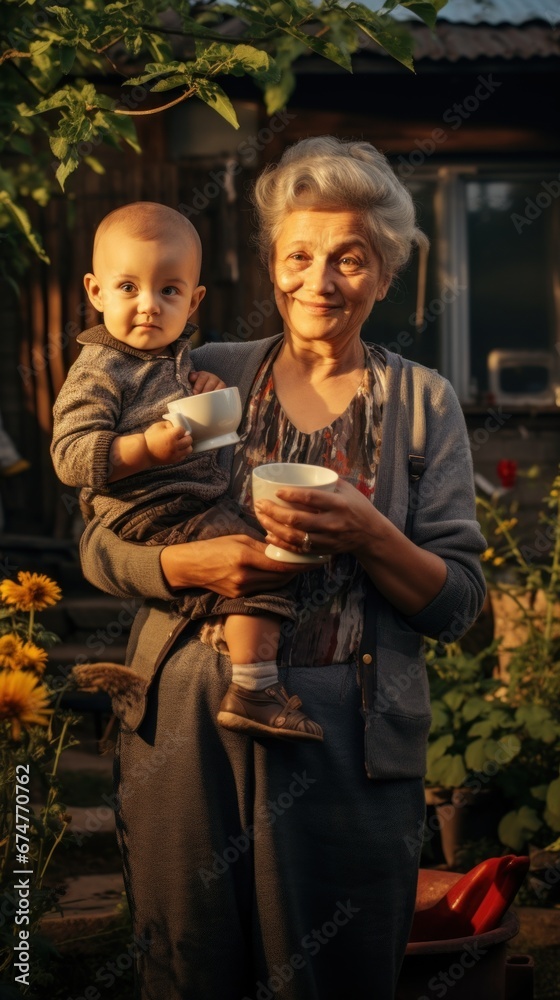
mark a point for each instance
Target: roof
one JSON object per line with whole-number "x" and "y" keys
{"x": 486, "y": 11}
{"x": 483, "y": 29}
{"x": 450, "y": 42}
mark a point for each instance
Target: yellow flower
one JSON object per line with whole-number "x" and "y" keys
{"x": 34, "y": 657}
{"x": 506, "y": 526}
{"x": 34, "y": 592}
{"x": 23, "y": 701}
{"x": 487, "y": 554}
{"x": 499, "y": 560}
{"x": 11, "y": 648}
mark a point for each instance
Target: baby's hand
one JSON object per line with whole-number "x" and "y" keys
{"x": 167, "y": 444}
{"x": 205, "y": 382}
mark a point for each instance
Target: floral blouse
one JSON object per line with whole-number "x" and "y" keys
{"x": 330, "y": 597}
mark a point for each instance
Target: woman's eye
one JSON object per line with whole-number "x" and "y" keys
{"x": 169, "y": 290}
{"x": 349, "y": 262}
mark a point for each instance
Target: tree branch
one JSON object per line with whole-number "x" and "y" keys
{"x": 14, "y": 54}
{"x": 156, "y": 111}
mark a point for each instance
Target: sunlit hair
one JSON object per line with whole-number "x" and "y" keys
{"x": 147, "y": 220}
{"x": 328, "y": 173}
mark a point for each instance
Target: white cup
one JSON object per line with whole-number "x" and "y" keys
{"x": 211, "y": 418}
{"x": 269, "y": 478}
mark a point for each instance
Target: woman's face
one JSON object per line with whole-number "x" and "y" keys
{"x": 326, "y": 275}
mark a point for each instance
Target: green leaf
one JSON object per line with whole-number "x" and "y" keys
{"x": 67, "y": 167}
{"x": 67, "y": 55}
{"x": 21, "y": 145}
{"x": 213, "y": 95}
{"x": 125, "y": 129}
{"x": 62, "y": 99}
{"x": 474, "y": 707}
{"x": 440, "y": 716}
{"x": 483, "y": 728}
{"x": 37, "y": 48}
{"x": 171, "y": 83}
{"x": 253, "y": 60}
{"x": 438, "y": 747}
{"x": 322, "y": 48}
{"x": 553, "y": 796}
{"x": 552, "y": 819}
{"x": 516, "y": 827}
{"x": 159, "y": 49}
{"x": 454, "y": 699}
{"x": 448, "y": 771}
{"x": 539, "y": 792}
{"x": 94, "y": 164}
{"x": 59, "y": 146}
{"x": 476, "y": 755}
{"x": 427, "y": 11}
{"x": 23, "y": 222}
{"x": 384, "y": 30}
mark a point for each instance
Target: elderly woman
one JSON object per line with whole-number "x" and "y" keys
{"x": 254, "y": 867}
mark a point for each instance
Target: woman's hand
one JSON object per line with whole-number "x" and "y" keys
{"x": 343, "y": 521}
{"x": 231, "y": 565}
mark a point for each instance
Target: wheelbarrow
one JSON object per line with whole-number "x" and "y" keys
{"x": 458, "y": 942}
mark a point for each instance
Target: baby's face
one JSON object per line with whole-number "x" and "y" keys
{"x": 146, "y": 289}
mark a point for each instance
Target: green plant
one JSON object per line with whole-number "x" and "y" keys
{"x": 527, "y": 571}
{"x": 504, "y": 732}
{"x": 472, "y": 725}
{"x": 55, "y": 60}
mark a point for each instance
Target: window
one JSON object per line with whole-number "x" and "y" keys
{"x": 493, "y": 276}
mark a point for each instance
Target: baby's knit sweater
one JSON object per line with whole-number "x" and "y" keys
{"x": 114, "y": 389}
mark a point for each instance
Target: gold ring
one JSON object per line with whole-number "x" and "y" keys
{"x": 306, "y": 544}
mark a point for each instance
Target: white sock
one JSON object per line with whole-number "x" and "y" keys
{"x": 255, "y": 676}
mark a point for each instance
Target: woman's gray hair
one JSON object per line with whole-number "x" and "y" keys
{"x": 325, "y": 172}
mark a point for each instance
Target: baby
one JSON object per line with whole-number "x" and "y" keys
{"x": 134, "y": 468}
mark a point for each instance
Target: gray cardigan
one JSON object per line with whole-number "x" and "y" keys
{"x": 397, "y": 722}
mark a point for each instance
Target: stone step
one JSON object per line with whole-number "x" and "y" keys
{"x": 67, "y": 654}
{"x": 97, "y": 619}
{"x": 89, "y": 906}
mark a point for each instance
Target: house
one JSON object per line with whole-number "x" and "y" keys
{"x": 474, "y": 134}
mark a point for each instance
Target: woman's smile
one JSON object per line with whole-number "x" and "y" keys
{"x": 327, "y": 276}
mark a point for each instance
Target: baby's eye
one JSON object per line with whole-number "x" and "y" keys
{"x": 170, "y": 290}
{"x": 127, "y": 286}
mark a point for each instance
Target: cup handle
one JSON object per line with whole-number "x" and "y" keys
{"x": 178, "y": 420}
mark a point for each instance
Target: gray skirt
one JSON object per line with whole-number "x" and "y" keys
{"x": 259, "y": 869}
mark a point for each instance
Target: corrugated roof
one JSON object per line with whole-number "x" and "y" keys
{"x": 459, "y": 41}
{"x": 487, "y": 11}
